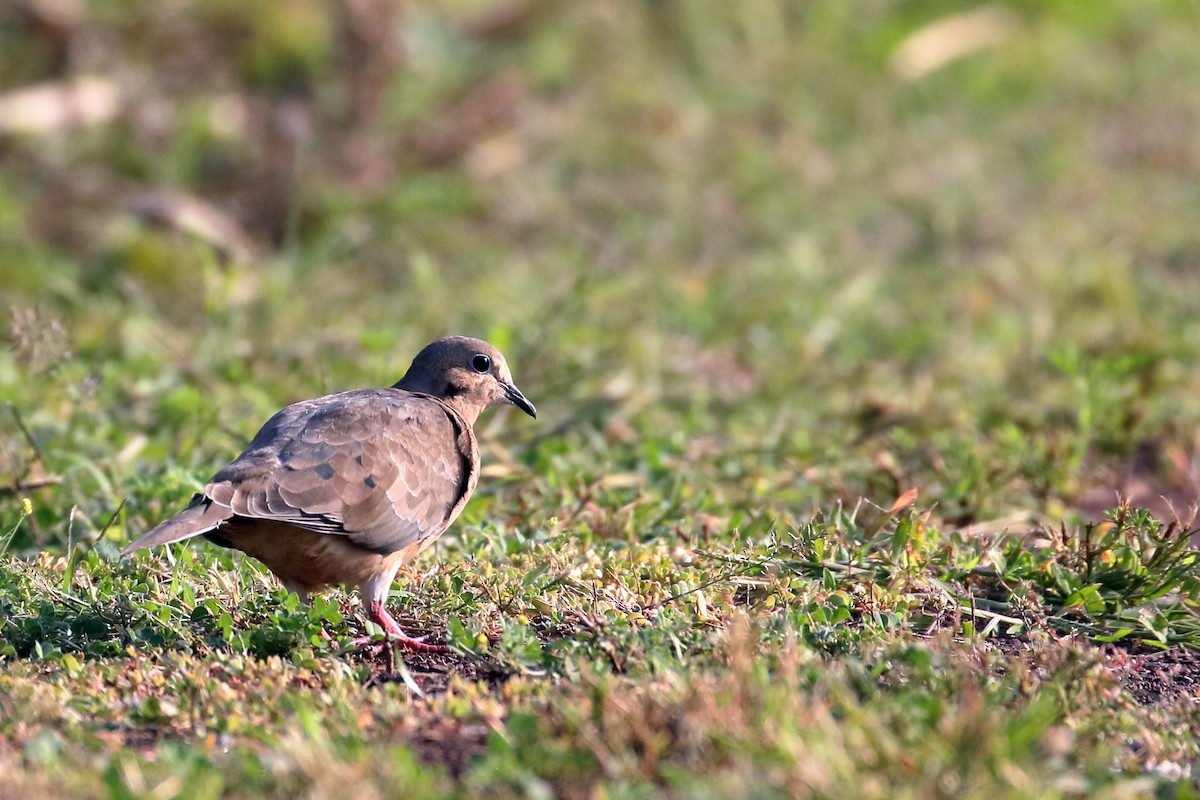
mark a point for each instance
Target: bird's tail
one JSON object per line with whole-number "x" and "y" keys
{"x": 201, "y": 516}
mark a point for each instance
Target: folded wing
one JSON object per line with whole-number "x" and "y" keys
{"x": 384, "y": 467}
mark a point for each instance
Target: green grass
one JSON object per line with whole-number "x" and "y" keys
{"x": 839, "y": 375}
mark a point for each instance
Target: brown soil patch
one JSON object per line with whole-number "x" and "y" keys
{"x": 1163, "y": 478}
{"x": 432, "y": 672}
{"x": 1159, "y": 677}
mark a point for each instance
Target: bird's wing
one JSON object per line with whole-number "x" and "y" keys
{"x": 385, "y": 467}
{"x": 201, "y": 516}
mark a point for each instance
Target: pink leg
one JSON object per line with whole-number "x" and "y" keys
{"x": 380, "y": 616}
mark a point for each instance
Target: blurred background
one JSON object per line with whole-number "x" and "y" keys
{"x": 749, "y": 259}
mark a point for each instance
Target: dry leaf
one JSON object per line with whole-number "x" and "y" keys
{"x": 904, "y": 501}
{"x": 48, "y": 108}
{"x": 950, "y": 38}
{"x": 190, "y": 214}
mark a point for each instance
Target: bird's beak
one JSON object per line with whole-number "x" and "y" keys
{"x": 513, "y": 395}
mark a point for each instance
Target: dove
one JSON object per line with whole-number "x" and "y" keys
{"x": 344, "y": 489}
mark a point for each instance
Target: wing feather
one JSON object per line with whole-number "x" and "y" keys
{"x": 201, "y": 516}
{"x": 384, "y": 467}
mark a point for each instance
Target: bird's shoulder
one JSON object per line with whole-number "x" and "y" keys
{"x": 396, "y": 420}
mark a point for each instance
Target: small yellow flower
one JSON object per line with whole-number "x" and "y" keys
{"x": 26, "y": 507}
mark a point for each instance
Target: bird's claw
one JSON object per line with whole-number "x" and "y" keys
{"x": 416, "y": 644}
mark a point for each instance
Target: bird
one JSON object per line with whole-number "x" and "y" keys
{"x": 346, "y": 488}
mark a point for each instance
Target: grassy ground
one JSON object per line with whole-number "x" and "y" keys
{"x": 843, "y": 349}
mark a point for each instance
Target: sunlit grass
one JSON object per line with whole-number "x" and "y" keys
{"x": 841, "y": 364}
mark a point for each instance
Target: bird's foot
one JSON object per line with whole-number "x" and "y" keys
{"x": 394, "y": 633}
{"x": 416, "y": 644}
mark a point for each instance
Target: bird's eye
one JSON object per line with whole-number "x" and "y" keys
{"x": 481, "y": 363}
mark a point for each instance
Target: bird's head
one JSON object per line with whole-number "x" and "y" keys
{"x": 469, "y": 374}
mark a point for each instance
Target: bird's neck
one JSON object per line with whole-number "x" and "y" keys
{"x": 460, "y": 401}
{"x": 466, "y": 409}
